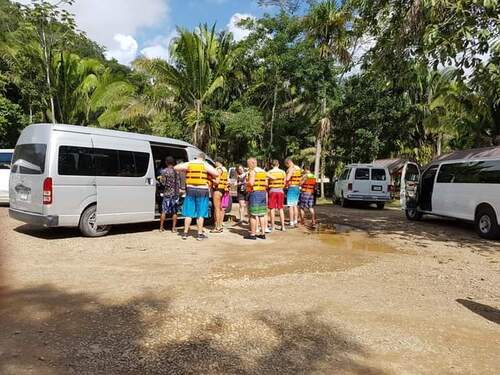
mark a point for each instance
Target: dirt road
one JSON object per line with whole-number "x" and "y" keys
{"x": 379, "y": 296}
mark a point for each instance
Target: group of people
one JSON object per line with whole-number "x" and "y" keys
{"x": 263, "y": 192}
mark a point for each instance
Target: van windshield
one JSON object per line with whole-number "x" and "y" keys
{"x": 5, "y": 160}
{"x": 29, "y": 158}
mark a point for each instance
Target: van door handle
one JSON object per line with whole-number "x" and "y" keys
{"x": 149, "y": 181}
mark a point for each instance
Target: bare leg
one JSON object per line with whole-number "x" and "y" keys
{"x": 242, "y": 204}
{"x": 187, "y": 224}
{"x": 302, "y": 217}
{"x": 199, "y": 222}
{"x": 253, "y": 225}
{"x": 313, "y": 215}
{"x": 174, "y": 222}
{"x": 162, "y": 221}
{"x": 272, "y": 218}
{"x": 263, "y": 225}
{"x": 217, "y": 208}
{"x": 282, "y": 218}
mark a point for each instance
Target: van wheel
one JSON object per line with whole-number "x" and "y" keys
{"x": 486, "y": 223}
{"x": 413, "y": 214}
{"x": 88, "y": 225}
{"x": 380, "y": 206}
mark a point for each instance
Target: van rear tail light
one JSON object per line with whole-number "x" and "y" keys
{"x": 390, "y": 188}
{"x": 47, "y": 191}
{"x": 349, "y": 186}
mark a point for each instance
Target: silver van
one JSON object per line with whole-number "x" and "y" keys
{"x": 91, "y": 178}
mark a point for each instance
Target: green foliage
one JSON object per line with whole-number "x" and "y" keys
{"x": 12, "y": 121}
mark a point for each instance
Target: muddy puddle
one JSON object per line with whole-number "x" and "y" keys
{"x": 325, "y": 249}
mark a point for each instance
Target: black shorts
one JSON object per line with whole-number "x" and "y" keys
{"x": 242, "y": 196}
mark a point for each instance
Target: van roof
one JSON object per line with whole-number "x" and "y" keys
{"x": 477, "y": 153}
{"x": 6, "y": 150}
{"x": 112, "y": 133}
{"x": 364, "y": 166}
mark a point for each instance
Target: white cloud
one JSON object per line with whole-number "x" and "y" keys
{"x": 159, "y": 47}
{"x": 110, "y": 22}
{"x": 126, "y": 50}
{"x": 239, "y": 32}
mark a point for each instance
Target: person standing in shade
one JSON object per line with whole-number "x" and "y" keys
{"x": 196, "y": 202}
{"x": 170, "y": 182}
{"x": 293, "y": 178}
{"x": 257, "y": 205}
{"x": 220, "y": 187}
{"x": 306, "y": 200}
{"x": 241, "y": 192}
{"x": 276, "y": 194}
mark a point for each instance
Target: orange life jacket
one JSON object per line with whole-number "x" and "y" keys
{"x": 309, "y": 185}
{"x": 260, "y": 183}
{"x": 196, "y": 174}
{"x": 296, "y": 177}
{"x": 278, "y": 180}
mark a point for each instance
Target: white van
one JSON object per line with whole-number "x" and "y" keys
{"x": 5, "y": 162}
{"x": 363, "y": 183}
{"x": 464, "y": 185}
{"x": 91, "y": 178}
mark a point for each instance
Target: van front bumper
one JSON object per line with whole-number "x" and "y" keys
{"x": 34, "y": 219}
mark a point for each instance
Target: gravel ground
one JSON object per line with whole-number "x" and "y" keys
{"x": 367, "y": 293}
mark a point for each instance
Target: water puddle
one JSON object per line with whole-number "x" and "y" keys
{"x": 345, "y": 238}
{"x": 326, "y": 248}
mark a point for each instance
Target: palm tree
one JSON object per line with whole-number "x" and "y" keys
{"x": 199, "y": 62}
{"x": 327, "y": 26}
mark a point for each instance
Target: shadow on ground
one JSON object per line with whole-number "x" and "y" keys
{"x": 47, "y": 330}
{"x": 393, "y": 222}
{"x": 487, "y": 312}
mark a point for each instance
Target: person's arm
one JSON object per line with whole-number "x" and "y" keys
{"x": 211, "y": 170}
{"x": 181, "y": 167}
{"x": 251, "y": 178}
{"x": 289, "y": 174}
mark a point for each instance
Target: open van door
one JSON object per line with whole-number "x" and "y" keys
{"x": 125, "y": 180}
{"x": 410, "y": 178}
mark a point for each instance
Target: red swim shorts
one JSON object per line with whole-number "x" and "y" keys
{"x": 276, "y": 199}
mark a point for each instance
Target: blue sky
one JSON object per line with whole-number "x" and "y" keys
{"x": 129, "y": 28}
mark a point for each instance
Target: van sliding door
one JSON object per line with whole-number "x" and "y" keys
{"x": 125, "y": 180}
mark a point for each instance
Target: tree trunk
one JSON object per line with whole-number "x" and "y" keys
{"x": 439, "y": 144}
{"x": 47, "y": 73}
{"x": 273, "y": 116}
{"x": 31, "y": 113}
{"x": 323, "y": 157}
{"x": 319, "y": 135}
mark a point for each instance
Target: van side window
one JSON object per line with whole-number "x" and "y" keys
{"x": 475, "y": 172}
{"x": 362, "y": 174}
{"x": 378, "y": 175}
{"x": 75, "y": 161}
{"x": 87, "y": 161}
{"x": 345, "y": 174}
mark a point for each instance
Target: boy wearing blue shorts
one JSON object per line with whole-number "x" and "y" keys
{"x": 293, "y": 179}
{"x": 196, "y": 202}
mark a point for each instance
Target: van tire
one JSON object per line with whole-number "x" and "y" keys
{"x": 486, "y": 223}
{"x": 380, "y": 206}
{"x": 86, "y": 227}
{"x": 413, "y": 214}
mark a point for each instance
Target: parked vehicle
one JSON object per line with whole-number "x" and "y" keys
{"x": 363, "y": 183}
{"x": 5, "y": 162}
{"x": 91, "y": 178}
{"x": 456, "y": 187}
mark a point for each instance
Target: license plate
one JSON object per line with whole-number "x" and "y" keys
{"x": 24, "y": 196}
{"x": 376, "y": 188}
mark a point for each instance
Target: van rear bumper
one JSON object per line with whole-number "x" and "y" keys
{"x": 368, "y": 198}
{"x": 34, "y": 219}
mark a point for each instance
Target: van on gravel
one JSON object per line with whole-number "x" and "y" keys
{"x": 5, "y": 162}
{"x": 364, "y": 183}
{"x": 91, "y": 178}
{"x": 463, "y": 185}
